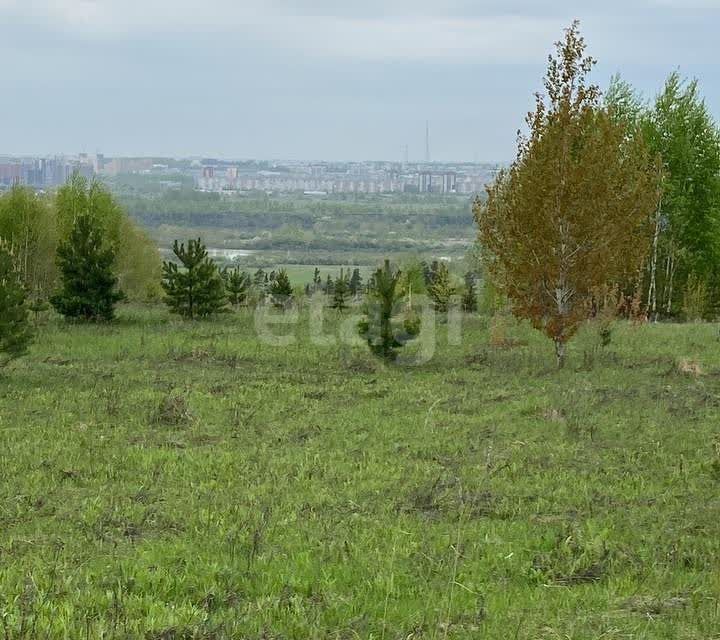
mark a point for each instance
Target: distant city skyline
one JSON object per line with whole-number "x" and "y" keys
{"x": 233, "y": 176}
{"x": 314, "y": 79}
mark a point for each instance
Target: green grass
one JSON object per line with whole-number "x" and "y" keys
{"x": 166, "y": 480}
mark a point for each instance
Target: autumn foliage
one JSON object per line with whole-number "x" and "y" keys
{"x": 571, "y": 215}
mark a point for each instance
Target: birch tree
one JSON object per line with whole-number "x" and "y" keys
{"x": 27, "y": 225}
{"x": 15, "y": 330}
{"x": 685, "y": 250}
{"x": 573, "y": 212}
{"x": 686, "y": 245}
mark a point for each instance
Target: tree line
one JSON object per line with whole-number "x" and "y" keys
{"x": 33, "y": 226}
{"x": 76, "y": 250}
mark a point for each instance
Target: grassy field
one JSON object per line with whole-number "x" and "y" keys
{"x": 167, "y": 480}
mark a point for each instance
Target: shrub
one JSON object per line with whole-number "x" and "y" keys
{"x": 695, "y": 300}
{"x": 499, "y": 325}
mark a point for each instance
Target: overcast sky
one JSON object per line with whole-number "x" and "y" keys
{"x": 317, "y": 79}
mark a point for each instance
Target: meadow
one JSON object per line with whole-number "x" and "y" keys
{"x": 164, "y": 479}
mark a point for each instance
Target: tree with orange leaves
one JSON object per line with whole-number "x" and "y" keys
{"x": 571, "y": 214}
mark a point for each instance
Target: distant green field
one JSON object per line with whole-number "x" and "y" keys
{"x": 166, "y": 480}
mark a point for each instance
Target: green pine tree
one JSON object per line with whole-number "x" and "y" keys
{"x": 430, "y": 273}
{"x": 441, "y": 289}
{"x": 470, "y": 296}
{"x": 237, "y": 286}
{"x": 260, "y": 281}
{"x": 15, "y": 330}
{"x": 281, "y": 290}
{"x": 384, "y": 297}
{"x": 355, "y": 282}
{"x": 87, "y": 269}
{"x": 341, "y": 292}
{"x": 195, "y": 289}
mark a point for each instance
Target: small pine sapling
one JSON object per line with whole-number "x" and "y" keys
{"x": 194, "y": 288}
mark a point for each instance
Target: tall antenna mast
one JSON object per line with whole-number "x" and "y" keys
{"x": 427, "y": 141}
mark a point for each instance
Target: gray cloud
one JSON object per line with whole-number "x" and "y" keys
{"x": 315, "y": 78}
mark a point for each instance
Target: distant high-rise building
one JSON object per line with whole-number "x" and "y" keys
{"x": 449, "y": 183}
